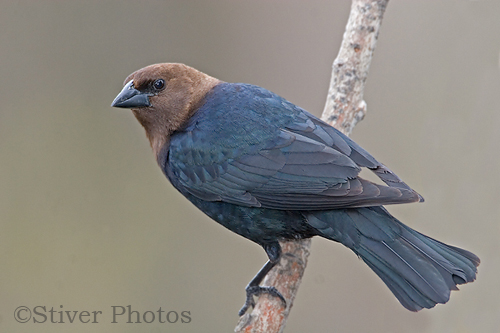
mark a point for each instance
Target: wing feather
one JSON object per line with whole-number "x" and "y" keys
{"x": 275, "y": 155}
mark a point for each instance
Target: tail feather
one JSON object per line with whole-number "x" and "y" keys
{"x": 407, "y": 269}
{"x": 409, "y": 297}
{"x": 420, "y": 271}
{"x": 464, "y": 259}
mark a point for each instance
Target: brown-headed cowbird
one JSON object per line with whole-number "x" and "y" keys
{"x": 269, "y": 170}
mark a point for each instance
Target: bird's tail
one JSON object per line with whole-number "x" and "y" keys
{"x": 419, "y": 270}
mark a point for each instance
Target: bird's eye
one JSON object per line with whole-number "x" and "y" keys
{"x": 159, "y": 84}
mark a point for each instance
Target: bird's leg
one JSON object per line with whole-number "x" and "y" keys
{"x": 253, "y": 288}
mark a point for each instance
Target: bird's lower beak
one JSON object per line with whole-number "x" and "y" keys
{"x": 131, "y": 98}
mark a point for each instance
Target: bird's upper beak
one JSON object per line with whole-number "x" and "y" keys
{"x": 131, "y": 98}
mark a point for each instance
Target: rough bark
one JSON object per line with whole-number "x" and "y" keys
{"x": 343, "y": 109}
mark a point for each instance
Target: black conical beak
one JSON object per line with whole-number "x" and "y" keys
{"x": 131, "y": 98}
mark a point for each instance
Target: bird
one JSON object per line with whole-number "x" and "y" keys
{"x": 270, "y": 171}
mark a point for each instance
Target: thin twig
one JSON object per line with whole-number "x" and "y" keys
{"x": 344, "y": 108}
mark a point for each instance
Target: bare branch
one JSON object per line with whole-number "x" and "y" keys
{"x": 269, "y": 315}
{"x": 344, "y": 108}
{"x": 344, "y": 104}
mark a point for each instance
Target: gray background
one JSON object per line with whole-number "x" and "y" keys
{"x": 88, "y": 221}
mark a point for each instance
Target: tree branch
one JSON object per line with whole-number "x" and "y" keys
{"x": 345, "y": 105}
{"x": 344, "y": 108}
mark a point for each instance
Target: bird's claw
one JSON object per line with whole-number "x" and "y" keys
{"x": 257, "y": 291}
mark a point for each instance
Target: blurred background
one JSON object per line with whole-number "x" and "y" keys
{"x": 88, "y": 221}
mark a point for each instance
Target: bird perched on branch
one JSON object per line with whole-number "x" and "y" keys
{"x": 269, "y": 171}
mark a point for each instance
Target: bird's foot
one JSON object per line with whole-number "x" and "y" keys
{"x": 257, "y": 291}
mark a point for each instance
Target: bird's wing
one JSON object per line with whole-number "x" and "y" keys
{"x": 299, "y": 164}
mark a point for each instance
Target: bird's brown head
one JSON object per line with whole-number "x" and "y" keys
{"x": 163, "y": 97}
